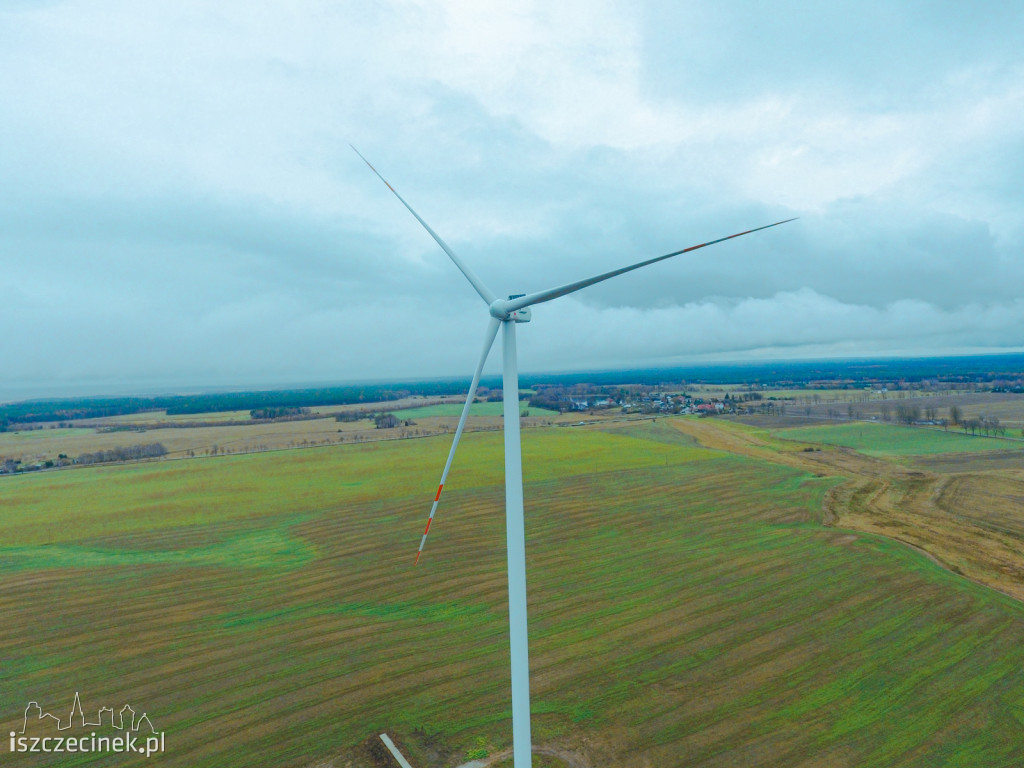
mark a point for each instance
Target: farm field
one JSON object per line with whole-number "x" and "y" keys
{"x": 180, "y": 441}
{"x": 891, "y": 440}
{"x": 493, "y": 408}
{"x": 162, "y": 417}
{"x": 233, "y": 432}
{"x": 687, "y": 607}
{"x": 962, "y": 508}
{"x": 1007, "y": 407}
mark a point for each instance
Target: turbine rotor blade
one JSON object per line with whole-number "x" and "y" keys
{"x": 492, "y": 331}
{"x": 476, "y": 282}
{"x": 553, "y": 293}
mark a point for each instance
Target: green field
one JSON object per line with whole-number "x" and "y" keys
{"x": 36, "y": 434}
{"x": 890, "y": 440}
{"x": 686, "y": 610}
{"x": 492, "y": 408}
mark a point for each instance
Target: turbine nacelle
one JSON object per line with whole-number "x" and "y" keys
{"x": 502, "y": 309}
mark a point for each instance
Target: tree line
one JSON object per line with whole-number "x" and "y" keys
{"x": 123, "y": 453}
{"x": 71, "y": 409}
{"x": 278, "y": 412}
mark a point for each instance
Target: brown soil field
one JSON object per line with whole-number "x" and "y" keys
{"x": 203, "y": 434}
{"x": 970, "y": 520}
{"x": 1005, "y": 406}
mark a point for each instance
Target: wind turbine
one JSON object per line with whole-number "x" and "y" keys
{"x": 506, "y": 313}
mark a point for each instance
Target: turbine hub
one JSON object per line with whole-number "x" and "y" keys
{"x": 500, "y": 310}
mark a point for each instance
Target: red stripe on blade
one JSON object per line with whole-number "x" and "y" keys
{"x": 439, "y": 491}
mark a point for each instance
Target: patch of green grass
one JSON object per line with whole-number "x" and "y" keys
{"x": 425, "y": 612}
{"x": 891, "y": 440}
{"x": 268, "y": 548}
{"x": 46, "y": 508}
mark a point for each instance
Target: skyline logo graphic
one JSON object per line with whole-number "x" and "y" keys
{"x": 137, "y": 731}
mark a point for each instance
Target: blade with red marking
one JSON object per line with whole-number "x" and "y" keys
{"x": 492, "y": 331}
{"x": 470, "y": 275}
{"x": 553, "y": 293}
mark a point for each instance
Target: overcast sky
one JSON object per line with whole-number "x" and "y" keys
{"x": 180, "y": 205}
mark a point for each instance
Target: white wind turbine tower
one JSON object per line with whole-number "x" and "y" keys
{"x": 505, "y": 313}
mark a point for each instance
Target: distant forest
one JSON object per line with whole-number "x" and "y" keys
{"x": 1003, "y": 372}
{"x": 266, "y": 402}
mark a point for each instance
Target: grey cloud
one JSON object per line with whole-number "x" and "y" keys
{"x": 181, "y": 203}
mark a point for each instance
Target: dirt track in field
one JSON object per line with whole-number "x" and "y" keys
{"x": 971, "y": 523}
{"x": 570, "y": 759}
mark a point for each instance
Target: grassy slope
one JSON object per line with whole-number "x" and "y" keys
{"x": 684, "y": 611}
